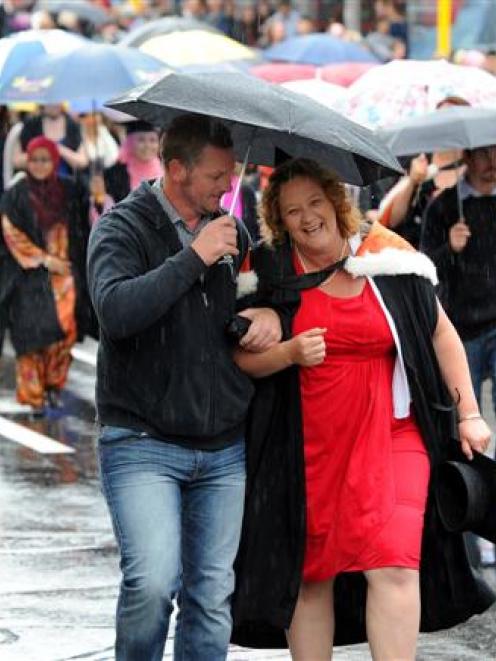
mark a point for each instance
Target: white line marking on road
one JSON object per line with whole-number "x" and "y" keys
{"x": 32, "y": 439}
{"x": 83, "y": 356}
{"x": 12, "y": 407}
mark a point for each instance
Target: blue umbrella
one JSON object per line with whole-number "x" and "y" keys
{"x": 318, "y": 49}
{"x": 93, "y": 73}
{"x": 24, "y": 47}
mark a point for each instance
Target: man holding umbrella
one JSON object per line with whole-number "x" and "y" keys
{"x": 170, "y": 399}
{"x": 460, "y": 236}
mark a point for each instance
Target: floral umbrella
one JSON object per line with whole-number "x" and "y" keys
{"x": 406, "y": 88}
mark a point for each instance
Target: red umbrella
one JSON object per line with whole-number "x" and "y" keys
{"x": 283, "y": 72}
{"x": 344, "y": 74}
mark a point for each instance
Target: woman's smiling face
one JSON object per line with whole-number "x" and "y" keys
{"x": 308, "y": 215}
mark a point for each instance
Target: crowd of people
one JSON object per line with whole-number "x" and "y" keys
{"x": 257, "y": 23}
{"x": 272, "y": 409}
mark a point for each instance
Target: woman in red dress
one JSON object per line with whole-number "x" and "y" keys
{"x": 366, "y": 465}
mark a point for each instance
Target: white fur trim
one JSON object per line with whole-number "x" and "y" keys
{"x": 247, "y": 283}
{"x": 392, "y": 261}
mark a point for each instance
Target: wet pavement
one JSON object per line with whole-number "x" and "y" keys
{"x": 58, "y": 561}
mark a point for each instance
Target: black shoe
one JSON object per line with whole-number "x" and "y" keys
{"x": 37, "y": 412}
{"x": 54, "y": 399}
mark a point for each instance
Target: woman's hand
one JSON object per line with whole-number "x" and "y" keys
{"x": 57, "y": 266}
{"x": 308, "y": 348}
{"x": 474, "y": 435}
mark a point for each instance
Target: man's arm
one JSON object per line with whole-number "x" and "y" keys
{"x": 434, "y": 240}
{"x": 127, "y": 299}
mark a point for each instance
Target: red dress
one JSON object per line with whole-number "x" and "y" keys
{"x": 366, "y": 472}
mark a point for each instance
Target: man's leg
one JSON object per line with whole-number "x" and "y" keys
{"x": 212, "y": 514}
{"x": 141, "y": 482}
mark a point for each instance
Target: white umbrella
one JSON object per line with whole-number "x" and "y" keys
{"x": 327, "y": 94}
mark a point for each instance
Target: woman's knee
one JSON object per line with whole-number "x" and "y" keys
{"x": 393, "y": 578}
{"x": 316, "y": 590}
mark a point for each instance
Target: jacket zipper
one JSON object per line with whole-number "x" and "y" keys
{"x": 210, "y": 416}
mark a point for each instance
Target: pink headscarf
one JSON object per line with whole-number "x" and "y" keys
{"x": 138, "y": 170}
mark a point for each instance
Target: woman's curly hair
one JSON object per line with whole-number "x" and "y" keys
{"x": 272, "y": 227}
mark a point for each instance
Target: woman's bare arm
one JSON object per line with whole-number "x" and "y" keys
{"x": 305, "y": 349}
{"x": 474, "y": 432}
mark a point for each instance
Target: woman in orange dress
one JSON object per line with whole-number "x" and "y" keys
{"x": 45, "y": 227}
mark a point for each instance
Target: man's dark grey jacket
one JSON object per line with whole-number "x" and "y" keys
{"x": 164, "y": 361}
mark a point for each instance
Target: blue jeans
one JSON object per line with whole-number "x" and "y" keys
{"x": 481, "y": 355}
{"x": 176, "y": 514}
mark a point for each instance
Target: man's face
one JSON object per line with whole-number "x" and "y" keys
{"x": 208, "y": 179}
{"x": 53, "y": 111}
{"x": 481, "y": 164}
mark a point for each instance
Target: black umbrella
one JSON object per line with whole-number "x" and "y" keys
{"x": 267, "y": 119}
{"x": 459, "y": 127}
{"x": 81, "y": 8}
{"x": 164, "y": 26}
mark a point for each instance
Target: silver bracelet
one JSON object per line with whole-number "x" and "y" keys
{"x": 470, "y": 416}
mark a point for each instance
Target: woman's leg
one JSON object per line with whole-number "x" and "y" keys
{"x": 311, "y": 633}
{"x": 30, "y": 377}
{"x": 393, "y": 613}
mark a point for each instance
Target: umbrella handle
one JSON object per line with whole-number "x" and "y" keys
{"x": 237, "y": 192}
{"x": 459, "y": 201}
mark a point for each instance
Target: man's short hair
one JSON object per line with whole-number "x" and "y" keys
{"x": 188, "y": 135}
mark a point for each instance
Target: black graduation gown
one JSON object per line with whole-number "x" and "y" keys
{"x": 270, "y": 559}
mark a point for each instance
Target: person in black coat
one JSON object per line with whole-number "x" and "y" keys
{"x": 309, "y": 220}
{"x": 45, "y": 228}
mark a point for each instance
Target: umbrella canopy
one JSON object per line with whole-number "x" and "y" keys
{"x": 327, "y": 94}
{"x": 318, "y": 49}
{"x": 448, "y": 128}
{"x": 180, "y": 49}
{"x": 166, "y": 25}
{"x": 95, "y": 73}
{"x": 266, "y": 118}
{"x": 407, "y": 88}
{"x": 283, "y": 72}
{"x": 17, "y": 50}
{"x": 345, "y": 73}
{"x": 83, "y": 10}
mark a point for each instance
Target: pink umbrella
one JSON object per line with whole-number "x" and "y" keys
{"x": 282, "y": 72}
{"x": 344, "y": 73}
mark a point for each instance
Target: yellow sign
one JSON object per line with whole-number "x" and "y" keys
{"x": 444, "y": 15}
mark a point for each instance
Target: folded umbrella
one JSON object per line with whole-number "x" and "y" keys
{"x": 457, "y": 127}
{"x": 267, "y": 119}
